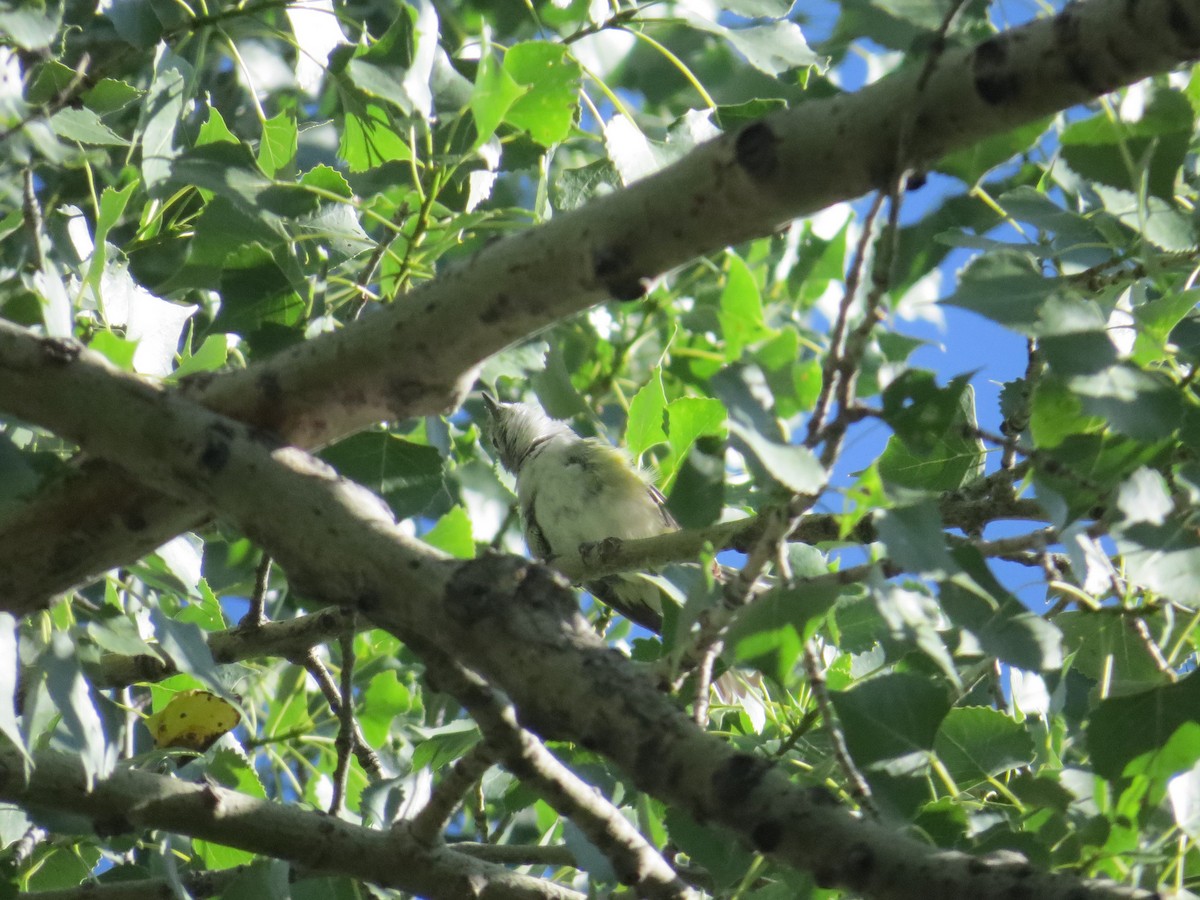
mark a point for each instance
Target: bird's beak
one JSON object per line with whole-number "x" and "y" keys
{"x": 492, "y": 404}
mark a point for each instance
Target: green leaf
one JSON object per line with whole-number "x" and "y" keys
{"x": 211, "y": 356}
{"x": 773, "y": 47}
{"x": 452, "y": 533}
{"x": 933, "y": 448}
{"x": 214, "y": 130}
{"x": 1105, "y": 648}
{"x": 1132, "y": 402}
{"x": 1003, "y": 627}
{"x": 369, "y": 139}
{"x": 1006, "y": 286}
{"x": 384, "y": 699}
{"x": 83, "y": 125}
{"x": 184, "y": 644}
{"x": 913, "y": 618}
{"x": 73, "y": 698}
{"x": 161, "y": 112}
{"x": 494, "y": 93}
{"x": 975, "y": 743}
{"x": 647, "y": 417}
{"x": 407, "y": 475}
{"x": 741, "y": 313}
{"x": 1163, "y": 558}
{"x": 549, "y": 106}
{"x": 262, "y": 880}
{"x": 234, "y": 771}
{"x": 793, "y": 466}
{"x": 972, "y": 163}
{"x": 1056, "y": 414}
{"x": 769, "y": 634}
{"x": 725, "y": 860}
{"x": 116, "y": 349}
{"x": 689, "y": 418}
{"x": 277, "y": 148}
{"x": 915, "y": 539}
{"x": 890, "y": 717}
{"x": 1122, "y": 153}
{"x": 1123, "y": 728}
{"x": 31, "y": 26}
{"x": 109, "y": 95}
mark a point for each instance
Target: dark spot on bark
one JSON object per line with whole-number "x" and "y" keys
{"x": 404, "y": 392}
{"x": 1181, "y": 24}
{"x": 430, "y": 307}
{"x": 995, "y": 82}
{"x": 976, "y": 866}
{"x": 368, "y": 601}
{"x": 1116, "y": 49}
{"x": 756, "y": 150}
{"x": 134, "y": 519}
{"x": 215, "y": 455}
{"x": 414, "y": 564}
{"x": 612, "y": 269}
{"x": 819, "y": 795}
{"x": 860, "y": 865}
{"x": 60, "y": 350}
{"x": 738, "y": 778}
{"x": 825, "y": 876}
{"x": 767, "y": 835}
{"x": 496, "y": 310}
{"x": 196, "y": 382}
{"x": 325, "y": 827}
{"x": 112, "y": 826}
{"x": 210, "y": 797}
{"x": 269, "y": 408}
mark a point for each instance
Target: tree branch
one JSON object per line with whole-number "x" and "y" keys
{"x": 515, "y": 621}
{"x": 131, "y": 800}
{"x": 634, "y": 860}
{"x": 416, "y": 358}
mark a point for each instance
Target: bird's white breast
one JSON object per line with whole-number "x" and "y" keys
{"x": 582, "y": 491}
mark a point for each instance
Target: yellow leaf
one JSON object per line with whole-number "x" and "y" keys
{"x": 193, "y": 720}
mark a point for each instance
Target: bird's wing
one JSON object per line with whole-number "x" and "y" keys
{"x": 535, "y": 538}
{"x": 661, "y": 502}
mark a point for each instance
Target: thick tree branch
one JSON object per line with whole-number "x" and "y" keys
{"x": 634, "y": 860}
{"x": 131, "y": 799}
{"x": 416, "y": 358}
{"x": 515, "y": 621}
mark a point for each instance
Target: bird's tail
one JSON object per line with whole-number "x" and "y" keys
{"x": 636, "y": 598}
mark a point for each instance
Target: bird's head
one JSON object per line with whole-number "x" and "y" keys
{"x": 517, "y": 429}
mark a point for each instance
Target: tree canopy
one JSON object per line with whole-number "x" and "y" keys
{"x": 268, "y": 627}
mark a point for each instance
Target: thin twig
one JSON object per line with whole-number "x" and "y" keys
{"x": 362, "y": 750}
{"x": 433, "y": 818}
{"x": 256, "y": 615}
{"x": 1138, "y": 626}
{"x": 346, "y": 738}
{"x": 33, "y": 220}
{"x": 832, "y": 364}
{"x": 860, "y": 791}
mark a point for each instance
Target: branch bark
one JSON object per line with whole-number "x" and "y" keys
{"x": 514, "y": 621}
{"x": 417, "y": 357}
{"x": 131, "y": 799}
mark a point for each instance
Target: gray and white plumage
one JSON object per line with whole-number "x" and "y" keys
{"x": 575, "y": 490}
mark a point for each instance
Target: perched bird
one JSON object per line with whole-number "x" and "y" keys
{"x": 574, "y": 491}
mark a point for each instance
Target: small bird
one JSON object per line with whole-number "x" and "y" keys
{"x": 575, "y": 491}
